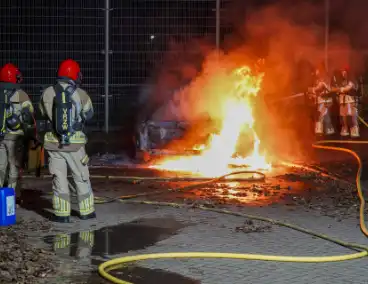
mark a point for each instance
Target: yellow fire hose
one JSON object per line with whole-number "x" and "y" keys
{"x": 362, "y": 251}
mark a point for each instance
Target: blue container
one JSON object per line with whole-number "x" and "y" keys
{"x": 7, "y": 206}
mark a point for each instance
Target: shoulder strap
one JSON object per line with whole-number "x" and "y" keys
{"x": 58, "y": 89}
{"x": 71, "y": 89}
{"x": 10, "y": 93}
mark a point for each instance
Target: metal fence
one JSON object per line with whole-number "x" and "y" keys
{"x": 38, "y": 34}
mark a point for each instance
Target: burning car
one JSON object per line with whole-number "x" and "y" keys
{"x": 226, "y": 98}
{"x": 161, "y": 133}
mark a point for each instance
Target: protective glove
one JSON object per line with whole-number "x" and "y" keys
{"x": 13, "y": 122}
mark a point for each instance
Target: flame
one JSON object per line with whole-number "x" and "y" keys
{"x": 199, "y": 147}
{"x": 217, "y": 157}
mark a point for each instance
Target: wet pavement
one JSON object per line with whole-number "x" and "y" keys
{"x": 296, "y": 194}
{"x": 137, "y": 275}
{"x": 122, "y": 238}
{"x": 142, "y": 275}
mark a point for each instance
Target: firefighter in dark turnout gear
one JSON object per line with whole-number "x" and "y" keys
{"x": 67, "y": 107}
{"x": 16, "y": 111}
{"x": 323, "y": 101}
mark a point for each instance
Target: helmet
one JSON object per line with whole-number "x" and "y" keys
{"x": 70, "y": 69}
{"x": 10, "y": 73}
{"x": 345, "y": 68}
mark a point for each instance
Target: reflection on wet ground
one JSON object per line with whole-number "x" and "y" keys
{"x": 122, "y": 238}
{"x": 145, "y": 171}
{"x": 138, "y": 275}
{"x": 274, "y": 190}
{"x": 141, "y": 275}
{"x": 282, "y": 183}
{"x": 118, "y": 239}
{"x": 281, "y": 180}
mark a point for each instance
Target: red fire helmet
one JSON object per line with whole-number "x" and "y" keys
{"x": 70, "y": 69}
{"x": 346, "y": 68}
{"x": 10, "y": 73}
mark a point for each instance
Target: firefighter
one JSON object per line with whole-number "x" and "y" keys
{"x": 16, "y": 112}
{"x": 320, "y": 91}
{"x": 347, "y": 96}
{"x": 67, "y": 107}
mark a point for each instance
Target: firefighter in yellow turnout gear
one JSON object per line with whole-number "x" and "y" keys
{"x": 323, "y": 101}
{"x": 67, "y": 107}
{"x": 348, "y": 101}
{"x": 16, "y": 111}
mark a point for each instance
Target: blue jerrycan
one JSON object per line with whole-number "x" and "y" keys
{"x": 7, "y": 206}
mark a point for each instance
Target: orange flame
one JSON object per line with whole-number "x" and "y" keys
{"x": 219, "y": 154}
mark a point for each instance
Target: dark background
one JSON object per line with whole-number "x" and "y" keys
{"x": 37, "y": 34}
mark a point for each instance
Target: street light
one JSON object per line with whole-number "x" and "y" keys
{"x": 327, "y": 29}
{"x": 218, "y": 24}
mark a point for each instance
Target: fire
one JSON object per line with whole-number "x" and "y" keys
{"x": 220, "y": 153}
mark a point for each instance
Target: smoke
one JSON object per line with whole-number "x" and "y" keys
{"x": 288, "y": 35}
{"x": 180, "y": 65}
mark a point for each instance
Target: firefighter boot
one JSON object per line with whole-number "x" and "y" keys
{"x": 330, "y": 131}
{"x": 319, "y": 128}
{"x": 354, "y": 132}
{"x": 88, "y": 216}
{"x": 344, "y": 131}
{"x": 60, "y": 219}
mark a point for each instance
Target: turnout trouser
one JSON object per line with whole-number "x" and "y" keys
{"x": 349, "y": 117}
{"x": 59, "y": 164}
{"x": 323, "y": 121}
{"x": 11, "y": 157}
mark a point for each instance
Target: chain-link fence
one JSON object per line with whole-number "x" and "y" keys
{"x": 38, "y": 34}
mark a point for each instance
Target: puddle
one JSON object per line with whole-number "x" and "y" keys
{"x": 122, "y": 238}
{"x": 141, "y": 275}
{"x": 138, "y": 275}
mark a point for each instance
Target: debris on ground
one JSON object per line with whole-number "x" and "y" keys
{"x": 251, "y": 226}
{"x": 20, "y": 262}
{"x": 23, "y": 226}
{"x": 331, "y": 195}
{"x": 337, "y": 198}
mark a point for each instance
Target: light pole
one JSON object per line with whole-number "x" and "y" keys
{"x": 327, "y": 30}
{"x": 107, "y": 63}
{"x": 218, "y": 24}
